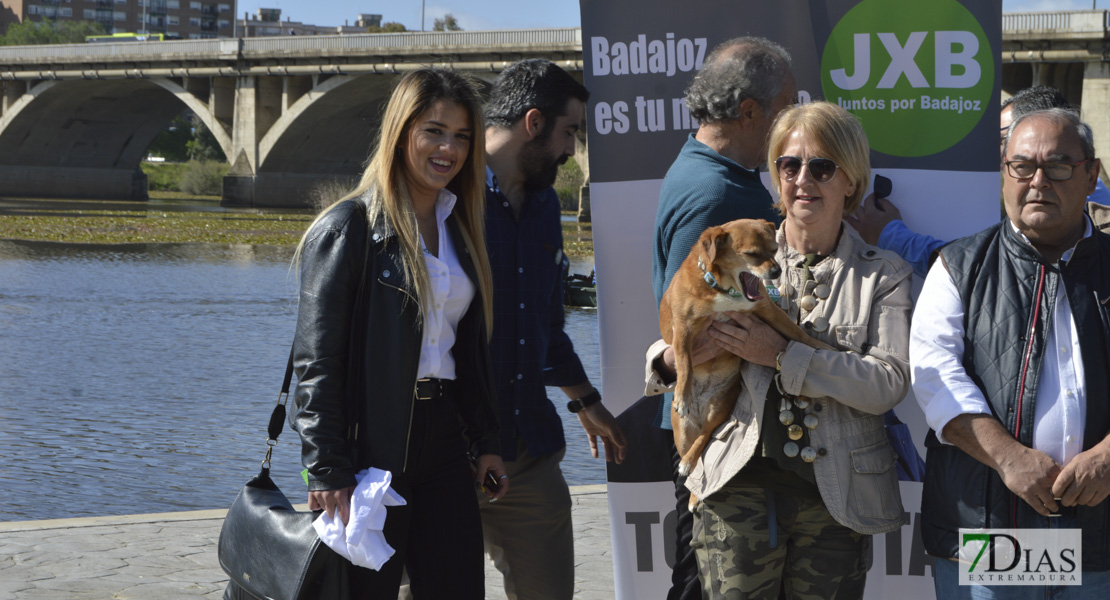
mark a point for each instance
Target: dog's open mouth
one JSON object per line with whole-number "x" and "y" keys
{"x": 751, "y": 286}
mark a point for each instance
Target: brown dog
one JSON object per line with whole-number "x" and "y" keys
{"x": 723, "y": 272}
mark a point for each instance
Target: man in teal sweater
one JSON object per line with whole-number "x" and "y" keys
{"x": 736, "y": 96}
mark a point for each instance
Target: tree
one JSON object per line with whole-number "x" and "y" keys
{"x": 447, "y": 23}
{"x": 173, "y": 143}
{"x": 204, "y": 146}
{"x": 390, "y": 27}
{"x": 50, "y": 32}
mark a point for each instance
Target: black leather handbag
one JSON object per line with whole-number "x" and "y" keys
{"x": 268, "y": 549}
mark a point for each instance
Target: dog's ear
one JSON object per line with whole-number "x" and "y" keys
{"x": 711, "y": 240}
{"x": 708, "y": 244}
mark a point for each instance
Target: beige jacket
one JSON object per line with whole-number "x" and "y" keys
{"x": 869, "y": 314}
{"x": 1100, "y": 215}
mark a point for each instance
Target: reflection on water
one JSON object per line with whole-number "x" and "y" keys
{"x": 140, "y": 378}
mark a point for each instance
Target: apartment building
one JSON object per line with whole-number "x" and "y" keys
{"x": 185, "y": 19}
{"x": 267, "y": 22}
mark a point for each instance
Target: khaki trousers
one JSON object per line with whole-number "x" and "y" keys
{"x": 528, "y": 533}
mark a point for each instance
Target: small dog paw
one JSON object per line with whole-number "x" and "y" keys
{"x": 684, "y": 468}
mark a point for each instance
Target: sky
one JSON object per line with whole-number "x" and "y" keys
{"x": 476, "y": 15}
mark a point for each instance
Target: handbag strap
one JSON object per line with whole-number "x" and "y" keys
{"x": 277, "y": 417}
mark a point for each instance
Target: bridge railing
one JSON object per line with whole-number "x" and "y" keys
{"x": 571, "y": 36}
{"x": 1057, "y": 24}
{"x": 110, "y": 51}
{"x": 230, "y": 48}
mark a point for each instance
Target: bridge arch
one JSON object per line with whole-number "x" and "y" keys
{"x": 326, "y": 134}
{"x": 87, "y": 137}
{"x": 201, "y": 110}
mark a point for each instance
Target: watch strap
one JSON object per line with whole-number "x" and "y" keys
{"x": 588, "y": 400}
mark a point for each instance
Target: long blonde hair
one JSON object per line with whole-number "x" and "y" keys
{"x": 384, "y": 179}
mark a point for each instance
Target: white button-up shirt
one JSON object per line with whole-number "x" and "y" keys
{"x": 451, "y": 291}
{"x": 944, "y": 390}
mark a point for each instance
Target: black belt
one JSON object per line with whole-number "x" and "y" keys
{"x": 434, "y": 389}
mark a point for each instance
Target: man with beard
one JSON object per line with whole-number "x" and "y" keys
{"x": 532, "y": 118}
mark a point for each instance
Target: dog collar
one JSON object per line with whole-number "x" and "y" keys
{"x": 712, "y": 281}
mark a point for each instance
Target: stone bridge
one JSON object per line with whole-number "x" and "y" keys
{"x": 1068, "y": 50}
{"x": 289, "y": 113}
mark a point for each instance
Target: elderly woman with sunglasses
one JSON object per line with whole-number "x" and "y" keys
{"x": 792, "y": 486}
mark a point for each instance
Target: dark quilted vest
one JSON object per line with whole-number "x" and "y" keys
{"x": 1009, "y": 296}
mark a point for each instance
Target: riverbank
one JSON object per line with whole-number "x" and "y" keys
{"x": 179, "y": 218}
{"x": 173, "y": 555}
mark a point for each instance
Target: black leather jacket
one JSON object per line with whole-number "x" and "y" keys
{"x": 384, "y": 380}
{"x": 1009, "y": 294}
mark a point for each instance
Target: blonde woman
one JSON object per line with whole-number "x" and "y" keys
{"x": 801, "y": 476}
{"x": 398, "y": 376}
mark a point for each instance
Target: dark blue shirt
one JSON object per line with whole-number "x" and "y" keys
{"x": 529, "y": 348}
{"x": 702, "y": 189}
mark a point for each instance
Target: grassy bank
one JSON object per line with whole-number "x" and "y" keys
{"x": 94, "y": 226}
{"x": 125, "y": 228}
{"x": 193, "y": 177}
{"x": 578, "y": 238}
{"x": 152, "y": 227}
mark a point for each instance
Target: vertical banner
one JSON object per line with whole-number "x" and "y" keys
{"x": 922, "y": 77}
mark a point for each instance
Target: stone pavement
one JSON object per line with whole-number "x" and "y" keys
{"x": 173, "y": 555}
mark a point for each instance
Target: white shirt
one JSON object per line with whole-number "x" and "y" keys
{"x": 452, "y": 292}
{"x": 944, "y": 390}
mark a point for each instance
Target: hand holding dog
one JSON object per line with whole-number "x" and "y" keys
{"x": 705, "y": 349}
{"x": 749, "y": 338}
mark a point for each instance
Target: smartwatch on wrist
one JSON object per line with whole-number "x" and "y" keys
{"x": 579, "y": 403}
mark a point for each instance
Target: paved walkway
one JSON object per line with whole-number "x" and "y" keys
{"x": 173, "y": 555}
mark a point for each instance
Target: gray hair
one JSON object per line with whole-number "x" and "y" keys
{"x": 739, "y": 69}
{"x": 1062, "y": 116}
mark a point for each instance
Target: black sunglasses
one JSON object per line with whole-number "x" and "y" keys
{"x": 822, "y": 169}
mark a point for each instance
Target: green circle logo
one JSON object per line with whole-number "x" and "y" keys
{"x": 918, "y": 75}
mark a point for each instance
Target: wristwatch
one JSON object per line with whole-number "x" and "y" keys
{"x": 778, "y": 360}
{"x": 579, "y": 403}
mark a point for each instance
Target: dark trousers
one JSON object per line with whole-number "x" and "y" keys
{"x": 684, "y": 574}
{"x": 438, "y": 534}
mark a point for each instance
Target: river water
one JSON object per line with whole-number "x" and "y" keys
{"x": 140, "y": 378}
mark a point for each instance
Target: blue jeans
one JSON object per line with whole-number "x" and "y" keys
{"x": 946, "y": 573}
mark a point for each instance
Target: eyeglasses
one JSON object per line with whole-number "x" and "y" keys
{"x": 821, "y": 169}
{"x": 1054, "y": 171}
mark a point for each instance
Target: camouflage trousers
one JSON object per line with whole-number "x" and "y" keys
{"x": 814, "y": 558}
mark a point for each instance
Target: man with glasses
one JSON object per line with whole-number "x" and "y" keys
{"x": 743, "y": 85}
{"x": 879, "y": 222}
{"x": 1010, "y": 354}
